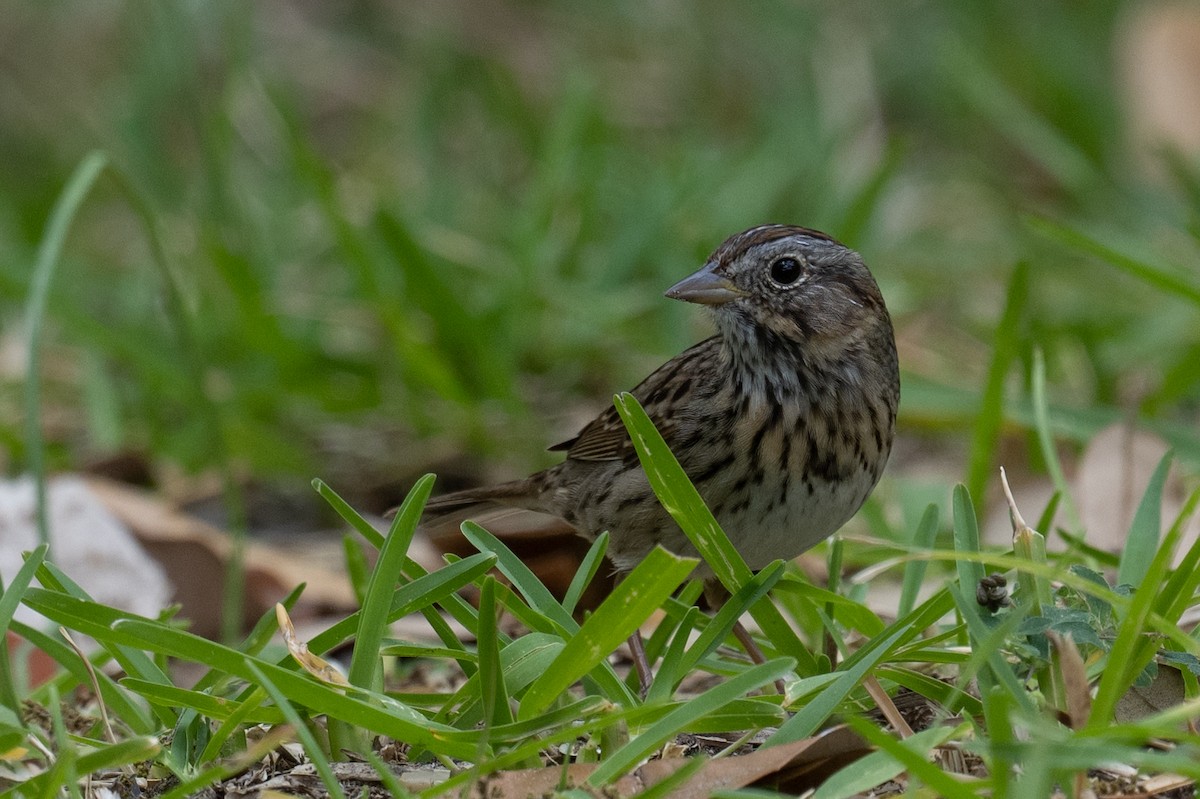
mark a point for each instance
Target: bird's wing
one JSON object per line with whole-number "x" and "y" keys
{"x": 605, "y": 437}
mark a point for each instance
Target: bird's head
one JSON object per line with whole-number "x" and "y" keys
{"x": 791, "y": 283}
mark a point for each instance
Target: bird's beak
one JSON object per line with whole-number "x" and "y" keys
{"x": 705, "y": 287}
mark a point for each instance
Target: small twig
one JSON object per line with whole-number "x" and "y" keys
{"x": 887, "y": 707}
{"x": 112, "y": 737}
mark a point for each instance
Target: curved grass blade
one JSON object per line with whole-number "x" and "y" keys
{"x": 894, "y": 756}
{"x": 351, "y": 516}
{"x": 966, "y": 539}
{"x": 417, "y": 595}
{"x": 1155, "y": 276}
{"x": 680, "y": 498}
{"x": 396, "y": 719}
{"x": 521, "y": 576}
{"x": 10, "y": 597}
{"x": 1132, "y": 649}
{"x": 586, "y": 572}
{"x": 118, "y": 701}
{"x": 65, "y": 208}
{"x": 373, "y": 617}
{"x": 315, "y": 755}
{"x": 110, "y": 756}
{"x": 812, "y": 715}
{"x": 914, "y": 570}
{"x": 216, "y": 708}
{"x": 633, "y": 600}
{"x": 1142, "y": 540}
{"x": 708, "y": 702}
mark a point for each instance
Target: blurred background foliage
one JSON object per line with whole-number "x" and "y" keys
{"x": 424, "y": 234}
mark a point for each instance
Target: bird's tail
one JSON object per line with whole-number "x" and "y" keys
{"x": 505, "y": 510}
{"x": 502, "y": 494}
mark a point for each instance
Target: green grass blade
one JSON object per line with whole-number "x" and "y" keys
{"x": 351, "y": 516}
{"x": 303, "y": 733}
{"x": 586, "y": 572}
{"x": 680, "y": 497}
{"x": 496, "y": 709}
{"x": 1177, "y": 595}
{"x": 985, "y": 433}
{"x": 118, "y": 701}
{"x": 216, "y": 708}
{"x": 257, "y": 639}
{"x": 630, "y": 604}
{"x": 684, "y": 503}
{"x": 358, "y": 571}
{"x": 417, "y": 595}
{"x": 389, "y": 717}
{"x": 10, "y": 597}
{"x": 813, "y": 714}
{"x": 1132, "y": 649}
{"x": 522, "y": 661}
{"x": 49, "y": 250}
{"x": 1041, "y": 418}
{"x": 672, "y": 669}
{"x": 966, "y": 540}
{"x": 720, "y": 625}
{"x": 987, "y": 656}
{"x": 248, "y": 706}
{"x": 670, "y": 725}
{"x": 521, "y": 576}
{"x": 109, "y": 756}
{"x": 934, "y": 689}
{"x": 373, "y": 618}
{"x": 914, "y": 570}
{"x": 392, "y": 787}
{"x": 1142, "y": 541}
{"x": 1167, "y": 282}
{"x": 892, "y": 759}
{"x": 852, "y": 614}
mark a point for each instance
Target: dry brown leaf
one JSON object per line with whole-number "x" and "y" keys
{"x": 194, "y": 555}
{"x": 1165, "y": 691}
{"x": 793, "y": 767}
{"x": 316, "y": 666}
{"x": 1075, "y": 679}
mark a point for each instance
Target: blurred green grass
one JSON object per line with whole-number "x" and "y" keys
{"x": 409, "y": 231}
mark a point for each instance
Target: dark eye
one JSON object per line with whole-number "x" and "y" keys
{"x": 785, "y": 271}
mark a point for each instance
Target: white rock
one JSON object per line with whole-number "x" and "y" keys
{"x": 86, "y": 542}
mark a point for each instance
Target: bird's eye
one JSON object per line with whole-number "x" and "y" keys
{"x": 785, "y": 271}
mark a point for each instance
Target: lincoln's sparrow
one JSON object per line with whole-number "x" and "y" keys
{"x": 783, "y": 420}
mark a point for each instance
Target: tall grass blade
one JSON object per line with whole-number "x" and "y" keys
{"x": 49, "y": 250}
{"x": 638, "y": 595}
{"x": 684, "y": 503}
{"x": 966, "y": 540}
{"x": 985, "y": 433}
{"x": 809, "y": 719}
{"x": 1168, "y": 282}
{"x": 914, "y": 570}
{"x": 10, "y": 597}
{"x": 1041, "y": 418}
{"x": 670, "y": 725}
{"x": 1142, "y": 540}
{"x": 373, "y": 618}
{"x": 303, "y": 733}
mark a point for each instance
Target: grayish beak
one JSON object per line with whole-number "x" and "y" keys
{"x": 705, "y": 287}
